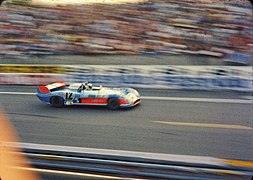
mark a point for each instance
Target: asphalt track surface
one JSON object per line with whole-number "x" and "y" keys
{"x": 218, "y": 129}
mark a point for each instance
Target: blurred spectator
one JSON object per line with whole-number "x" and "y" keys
{"x": 215, "y": 28}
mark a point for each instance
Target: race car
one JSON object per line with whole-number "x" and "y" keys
{"x": 60, "y": 94}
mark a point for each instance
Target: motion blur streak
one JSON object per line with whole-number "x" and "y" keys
{"x": 75, "y": 174}
{"x": 76, "y": 2}
{"x": 8, "y": 159}
{"x": 240, "y": 163}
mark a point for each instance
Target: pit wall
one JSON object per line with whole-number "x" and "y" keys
{"x": 237, "y": 78}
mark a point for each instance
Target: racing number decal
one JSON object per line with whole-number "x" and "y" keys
{"x": 69, "y": 96}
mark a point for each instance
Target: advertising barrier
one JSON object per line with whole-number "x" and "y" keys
{"x": 142, "y": 76}
{"x": 169, "y": 77}
{"x": 170, "y": 82}
{"x": 30, "y": 79}
{"x": 242, "y": 58}
{"x": 32, "y": 69}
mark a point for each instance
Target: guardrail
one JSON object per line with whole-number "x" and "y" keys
{"x": 127, "y": 164}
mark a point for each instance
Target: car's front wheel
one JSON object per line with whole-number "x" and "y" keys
{"x": 57, "y": 101}
{"x": 113, "y": 103}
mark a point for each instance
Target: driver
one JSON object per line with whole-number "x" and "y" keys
{"x": 87, "y": 86}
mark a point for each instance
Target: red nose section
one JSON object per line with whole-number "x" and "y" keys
{"x": 44, "y": 89}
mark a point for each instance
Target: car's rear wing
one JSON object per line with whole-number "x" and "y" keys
{"x": 48, "y": 88}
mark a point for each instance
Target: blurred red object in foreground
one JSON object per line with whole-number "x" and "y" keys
{"x": 10, "y": 161}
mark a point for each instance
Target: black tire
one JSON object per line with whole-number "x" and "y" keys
{"x": 113, "y": 103}
{"x": 57, "y": 101}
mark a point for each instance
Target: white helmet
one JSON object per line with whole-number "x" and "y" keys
{"x": 89, "y": 85}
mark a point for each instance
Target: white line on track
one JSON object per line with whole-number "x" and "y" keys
{"x": 227, "y": 126}
{"x": 211, "y": 100}
{"x": 18, "y": 93}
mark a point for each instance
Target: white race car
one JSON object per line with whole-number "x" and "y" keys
{"x": 59, "y": 94}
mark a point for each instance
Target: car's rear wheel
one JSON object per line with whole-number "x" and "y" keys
{"x": 113, "y": 103}
{"x": 57, "y": 101}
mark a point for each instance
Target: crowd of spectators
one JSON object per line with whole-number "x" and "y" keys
{"x": 208, "y": 27}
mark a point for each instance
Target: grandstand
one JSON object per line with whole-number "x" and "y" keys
{"x": 165, "y": 27}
